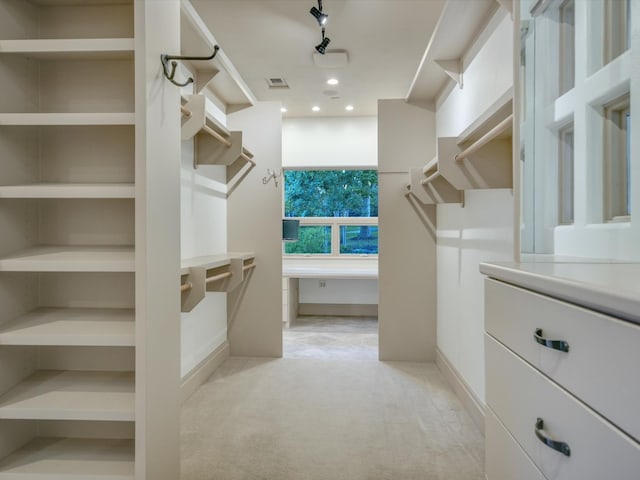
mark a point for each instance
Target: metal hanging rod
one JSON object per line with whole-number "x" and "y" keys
{"x": 170, "y": 72}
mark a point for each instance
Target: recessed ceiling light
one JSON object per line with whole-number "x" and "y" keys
{"x": 349, "y": 108}
{"x": 333, "y": 81}
{"x": 315, "y": 108}
{"x": 283, "y": 109}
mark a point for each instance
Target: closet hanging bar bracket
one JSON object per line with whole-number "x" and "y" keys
{"x": 170, "y": 71}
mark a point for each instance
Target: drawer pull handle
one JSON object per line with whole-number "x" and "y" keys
{"x": 556, "y": 445}
{"x": 555, "y": 344}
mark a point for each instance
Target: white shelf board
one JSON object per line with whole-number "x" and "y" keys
{"x": 69, "y": 190}
{"x": 90, "y": 118}
{"x": 71, "y": 395}
{"x": 206, "y": 261}
{"x": 72, "y": 326}
{"x": 70, "y": 259}
{"x": 65, "y": 458}
{"x": 71, "y": 48}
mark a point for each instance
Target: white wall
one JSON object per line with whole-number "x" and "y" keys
{"x": 482, "y": 230}
{"x": 407, "y": 273}
{"x": 203, "y": 215}
{"x": 338, "y": 291}
{"x": 330, "y": 142}
{"x": 254, "y": 212}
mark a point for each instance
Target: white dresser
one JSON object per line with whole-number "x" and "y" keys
{"x": 562, "y": 349}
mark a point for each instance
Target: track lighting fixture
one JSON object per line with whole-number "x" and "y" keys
{"x": 322, "y": 46}
{"x": 318, "y": 15}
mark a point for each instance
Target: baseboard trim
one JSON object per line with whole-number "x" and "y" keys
{"x": 338, "y": 309}
{"x": 469, "y": 399}
{"x": 202, "y": 371}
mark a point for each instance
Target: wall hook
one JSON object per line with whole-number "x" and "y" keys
{"x": 272, "y": 174}
{"x": 170, "y": 72}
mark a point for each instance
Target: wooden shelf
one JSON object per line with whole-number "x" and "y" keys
{"x": 65, "y": 458}
{"x": 37, "y": 119}
{"x": 481, "y": 157}
{"x": 213, "y": 273}
{"x": 218, "y": 75}
{"x": 70, "y": 259}
{"x": 72, "y": 326}
{"x": 71, "y": 49}
{"x": 69, "y": 190}
{"x": 430, "y": 187}
{"x": 71, "y": 395}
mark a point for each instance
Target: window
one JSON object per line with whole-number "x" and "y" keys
{"x": 567, "y": 46}
{"x": 617, "y": 160}
{"x": 617, "y": 32}
{"x": 337, "y": 209}
{"x": 565, "y": 176}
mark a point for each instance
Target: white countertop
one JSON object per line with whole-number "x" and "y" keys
{"x": 612, "y": 288}
{"x": 330, "y": 268}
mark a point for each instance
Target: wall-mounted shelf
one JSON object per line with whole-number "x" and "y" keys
{"x": 70, "y": 259}
{"x": 37, "y": 119}
{"x": 218, "y": 75}
{"x": 71, "y": 48}
{"x": 56, "y": 458}
{"x": 214, "y": 144}
{"x": 71, "y": 395}
{"x": 430, "y": 187}
{"x": 105, "y": 327}
{"x": 213, "y": 273}
{"x": 481, "y": 157}
{"x": 69, "y": 190}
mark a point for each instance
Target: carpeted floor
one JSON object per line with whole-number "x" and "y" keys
{"x": 318, "y": 419}
{"x": 354, "y": 338}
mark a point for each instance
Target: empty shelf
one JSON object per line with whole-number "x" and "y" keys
{"x": 71, "y": 326}
{"x": 71, "y": 49}
{"x": 64, "y": 458}
{"x": 71, "y": 395}
{"x": 207, "y": 261}
{"x": 109, "y": 118}
{"x": 70, "y": 259}
{"x": 71, "y": 190}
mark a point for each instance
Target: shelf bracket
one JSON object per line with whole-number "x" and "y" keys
{"x": 170, "y": 71}
{"x": 452, "y": 68}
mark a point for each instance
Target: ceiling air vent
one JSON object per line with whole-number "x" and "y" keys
{"x": 277, "y": 83}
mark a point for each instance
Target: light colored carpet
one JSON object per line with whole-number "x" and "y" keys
{"x": 354, "y": 338}
{"x": 308, "y": 419}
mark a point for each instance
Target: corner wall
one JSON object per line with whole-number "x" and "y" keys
{"x": 480, "y": 231}
{"x": 407, "y": 261}
{"x": 254, "y": 211}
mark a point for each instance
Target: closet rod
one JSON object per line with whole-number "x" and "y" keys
{"x": 220, "y": 276}
{"x": 486, "y": 138}
{"x": 430, "y": 178}
{"x": 248, "y": 267}
{"x": 185, "y": 111}
{"x": 216, "y": 135}
{"x": 185, "y": 287}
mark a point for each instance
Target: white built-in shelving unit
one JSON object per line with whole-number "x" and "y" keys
{"x": 67, "y": 217}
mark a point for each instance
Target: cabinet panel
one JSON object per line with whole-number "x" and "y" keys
{"x": 520, "y": 395}
{"x": 601, "y": 366}
{"x": 505, "y": 460}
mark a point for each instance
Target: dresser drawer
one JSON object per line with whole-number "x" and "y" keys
{"x": 520, "y": 395}
{"x": 505, "y": 460}
{"x": 602, "y": 364}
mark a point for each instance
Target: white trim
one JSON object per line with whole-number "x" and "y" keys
{"x": 201, "y": 372}
{"x": 469, "y": 399}
{"x": 338, "y": 309}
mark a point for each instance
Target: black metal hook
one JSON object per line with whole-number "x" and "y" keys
{"x": 170, "y": 72}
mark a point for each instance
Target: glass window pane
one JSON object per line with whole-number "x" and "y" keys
{"x": 359, "y": 239}
{"x": 567, "y": 45}
{"x": 330, "y": 193}
{"x": 566, "y": 176}
{"x": 311, "y": 239}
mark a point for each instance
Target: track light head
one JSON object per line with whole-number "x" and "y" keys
{"x": 319, "y": 16}
{"x": 322, "y": 47}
